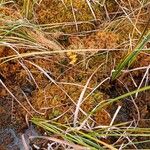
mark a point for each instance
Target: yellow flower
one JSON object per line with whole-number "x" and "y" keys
{"x": 73, "y": 57}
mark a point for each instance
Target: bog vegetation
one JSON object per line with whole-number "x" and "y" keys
{"x": 75, "y": 74}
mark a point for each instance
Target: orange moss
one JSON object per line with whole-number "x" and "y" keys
{"x": 102, "y": 117}
{"x": 10, "y": 11}
{"x": 47, "y": 96}
{"x": 101, "y": 40}
{"x": 49, "y": 12}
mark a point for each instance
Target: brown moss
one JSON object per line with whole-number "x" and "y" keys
{"x": 49, "y": 12}
{"x": 132, "y": 4}
{"x": 10, "y": 11}
{"x": 48, "y": 97}
{"x": 101, "y": 40}
{"x": 102, "y": 117}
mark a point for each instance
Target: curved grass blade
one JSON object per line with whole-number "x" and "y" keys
{"x": 110, "y": 101}
{"x": 129, "y": 59}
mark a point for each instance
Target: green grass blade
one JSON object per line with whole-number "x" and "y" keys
{"x": 128, "y": 60}
{"x": 110, "y": 101}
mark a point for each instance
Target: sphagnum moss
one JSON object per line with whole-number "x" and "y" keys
{"x": 48, "y": 97}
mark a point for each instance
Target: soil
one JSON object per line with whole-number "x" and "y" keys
{"x": 39, "y": 96}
